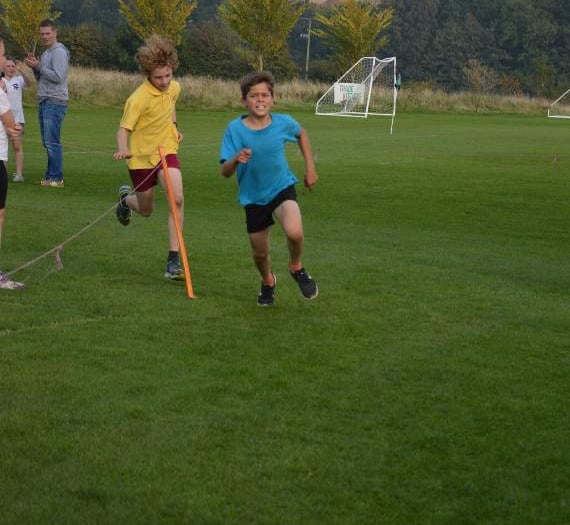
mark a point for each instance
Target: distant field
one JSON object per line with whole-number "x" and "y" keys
{"x": 427, "y": 384}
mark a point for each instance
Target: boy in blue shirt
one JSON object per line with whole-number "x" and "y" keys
{"x": 253, "y": 147}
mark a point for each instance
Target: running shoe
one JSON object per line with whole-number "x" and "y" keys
{"x": 17, "y": 177}
{"x": 266, "y": 295}
{"x": 174, "y": 270}
{"x": 124, "y": 213}
{"x": 306, "y": 283}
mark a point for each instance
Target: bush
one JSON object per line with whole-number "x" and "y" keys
{"x": 211, "y": 49}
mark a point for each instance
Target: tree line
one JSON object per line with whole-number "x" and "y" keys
{"x": 511, "y": 46}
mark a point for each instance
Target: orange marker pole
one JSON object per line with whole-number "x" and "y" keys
{"x": 174, "y": 211}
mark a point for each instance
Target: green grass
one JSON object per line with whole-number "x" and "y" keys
{"x": 427, "y": 384}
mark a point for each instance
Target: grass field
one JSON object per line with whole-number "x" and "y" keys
{"x": 427, "y": 384}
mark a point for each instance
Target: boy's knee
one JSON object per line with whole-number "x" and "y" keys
{"x": 296, "y": 236}
{"x": 146, "y": 211}
{"x": 179, "y": 200}
{"x": 260, "y": 254}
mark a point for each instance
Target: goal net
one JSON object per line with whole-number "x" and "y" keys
{"x": 367, "y": 88}
{"x": 560, "y": 108}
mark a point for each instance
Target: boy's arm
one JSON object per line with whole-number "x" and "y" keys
{"x": 178, "y": 133}
{"x": 229, "y": 166}
{"x": 12, "y": 128}
{"x": 123, "y": 151}
{"x": 23, "y": 74}
{"x": 311, "y": 175}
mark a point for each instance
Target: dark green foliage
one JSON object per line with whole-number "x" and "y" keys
{"x": 206, "y": 10}
{"x": 88, "y": 44}
{"x": 412, "y": 35}
{"x": 103, "y": 12}
{"x": 526, "y": 42}
{"x": 211, "y": 49}
{"x": 282, "y": 66}
{"x": 434, "y": 39}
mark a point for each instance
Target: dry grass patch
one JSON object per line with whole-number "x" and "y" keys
{"x": 100, "y": 88}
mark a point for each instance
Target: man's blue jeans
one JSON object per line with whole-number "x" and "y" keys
{"x": 51, "y": 117}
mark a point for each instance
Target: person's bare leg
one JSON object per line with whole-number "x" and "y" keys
{"x": 18, "y": 155}
{"x": 289, "y": 216}
{"x": 5, "y": 282}
{"x": 178, "y": 191}
{"x": 259, "y": 242}
{"x": 262, "y": 259}
{"x": 141, "y": 202}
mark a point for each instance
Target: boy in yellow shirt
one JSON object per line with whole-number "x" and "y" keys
{"x": 149, "y": 121}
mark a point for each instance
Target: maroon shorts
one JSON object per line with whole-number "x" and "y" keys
{"x": 146, "y": 178}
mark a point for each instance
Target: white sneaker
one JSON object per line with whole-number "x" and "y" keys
{"x": 18, "y": 177}
{"x": 7, "y": 284}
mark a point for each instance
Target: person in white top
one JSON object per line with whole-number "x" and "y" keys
{"x": 8, "y": 128}
{"x": 13, "y": 83}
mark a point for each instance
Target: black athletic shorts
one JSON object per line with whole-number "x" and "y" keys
{"x": 3, "y": 185}
{"x": 260, "y": 216}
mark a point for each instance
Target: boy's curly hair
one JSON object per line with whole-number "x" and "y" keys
{"x": 157, "y": 51}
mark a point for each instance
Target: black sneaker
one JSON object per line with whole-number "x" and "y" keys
{"x": 174, "y": 270}
{"x": 307, "y": 284}
{"x": 124, "y": 213}
{"x": 266, "y": 296}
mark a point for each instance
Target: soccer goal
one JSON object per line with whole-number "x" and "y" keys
{"x": 560, "y": 108}
{"x": 367, "y": 88}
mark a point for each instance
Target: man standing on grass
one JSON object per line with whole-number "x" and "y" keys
{"x": 51, "y": 71}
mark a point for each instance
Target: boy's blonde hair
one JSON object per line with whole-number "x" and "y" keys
{"x": 157, "y": 51}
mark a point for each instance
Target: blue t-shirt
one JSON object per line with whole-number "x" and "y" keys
{"x": 267, "y": 171}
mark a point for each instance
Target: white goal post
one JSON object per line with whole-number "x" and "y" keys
{"x": 369, "y": 87}
{"x": 560, "y": 108}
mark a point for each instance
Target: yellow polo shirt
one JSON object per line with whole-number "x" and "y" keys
{"x": 148, "y": 116}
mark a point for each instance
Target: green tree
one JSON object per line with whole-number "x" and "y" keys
{"x": 210, "y": 49}
{"x": 123, "y": 47}
{"x": 207, "y": 10}
{"x": 479, "y": 77}
{"x": 263, "y": 24}
{"x": 542, "y": 76}
{"x": 526, "y": 34}
{"x": 87, "y": 43}
{"x": 161, "y": 17}
{"x": 353, "y": 30}
{"x": 458, "y": 42}
{"x": 22, "y": 19}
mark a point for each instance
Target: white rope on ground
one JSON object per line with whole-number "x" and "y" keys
{"x": 59, "y": 248}
{"x": 75, "y": 149}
